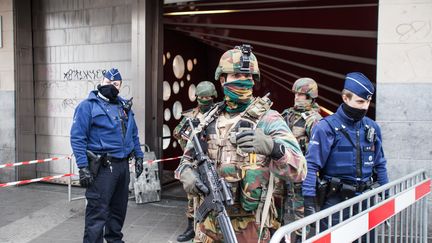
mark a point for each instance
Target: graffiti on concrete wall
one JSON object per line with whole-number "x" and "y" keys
{"x": 419, "y": 29}
{"x": 76, "y": 74}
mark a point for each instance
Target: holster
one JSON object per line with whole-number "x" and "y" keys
{"x": 95, "y": 162}
{"x": 347, "y": 191}
{"x": 335, "y": 185}
{"x": 321, "y": 191}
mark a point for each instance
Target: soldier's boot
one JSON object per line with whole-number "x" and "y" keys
{"x": 189, "y": 233}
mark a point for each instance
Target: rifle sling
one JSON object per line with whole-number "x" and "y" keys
{"x": 266, "y": 207}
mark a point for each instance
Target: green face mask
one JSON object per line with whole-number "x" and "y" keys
{"x": 238, "y": 95}
{"x": 204, "y": 105}
{"x": 303, "y": 104}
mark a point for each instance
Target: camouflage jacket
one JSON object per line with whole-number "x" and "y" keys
{"x": 301, "y": 123}
{"x": 291, "y": 166}
{"x": 236, "y": 168}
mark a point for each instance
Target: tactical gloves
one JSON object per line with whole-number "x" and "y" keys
{"x": 192, "y": 183}
{"x": 85, "y": 177}
{"x": 255, "y": 141}
{"x": 309, "y": 205}
{"x": 138, "y": 167}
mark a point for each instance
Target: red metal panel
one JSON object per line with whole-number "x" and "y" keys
{"x": 381, "y": 213}
{"x": 422, "y": 189}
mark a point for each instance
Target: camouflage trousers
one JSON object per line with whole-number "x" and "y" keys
{"x": 295, "y": 207}
{"x": 245, "y": 228}
{"x": 190, "y": 206}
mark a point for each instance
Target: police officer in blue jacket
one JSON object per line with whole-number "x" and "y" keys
{"x": 346, "y": 149}
{"x": 104, "y": 124}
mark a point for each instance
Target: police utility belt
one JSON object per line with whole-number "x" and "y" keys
{"x": 346, "y": 189}
{"x": 96, "y": 160}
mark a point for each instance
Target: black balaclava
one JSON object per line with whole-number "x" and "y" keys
{"x": 354, "y": 113}
{"x": 109, "y": 91}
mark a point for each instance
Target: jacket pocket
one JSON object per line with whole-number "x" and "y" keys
{"x": 255, "y": 178}
{"x": 100, "y": 117}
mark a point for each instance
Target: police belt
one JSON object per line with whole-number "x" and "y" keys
{"x": 116, "y": 160}
{"x": 347, "y": 189}
{"x": 359, "y": 186}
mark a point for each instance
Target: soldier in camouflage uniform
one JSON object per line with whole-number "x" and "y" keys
{"x": 253, "y": 150}
{"x": 301, "y": 118}
{"x": 205, "y": 92}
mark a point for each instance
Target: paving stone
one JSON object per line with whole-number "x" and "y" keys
{"x": 28, "y": 206}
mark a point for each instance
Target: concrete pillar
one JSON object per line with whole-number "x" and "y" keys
{"x": 404, "y": 85}
{"x": 25, "y": 100}
{"x": 7, "y": 90}
{"x": 147, "y": 49}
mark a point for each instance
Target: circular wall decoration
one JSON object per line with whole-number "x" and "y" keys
{"x": 176, "y": 87}
{"x": 166, "y": 136}
{"x": 168, "y": 55}
{"x": 181, "y": 84}
{"x": 178, "y": 66}
{"x": 177, "y": 110}
{"x": 166, "y": 90}
{"x": 167, "y": 114}
{"x": 195, "y": 61}
{"x": 189, "y": 65}
{"x": 191, "y": 92}
{"x": 174, "y": 144}
{"x": 188, "y": 77}
{"x": 163, "y": 59}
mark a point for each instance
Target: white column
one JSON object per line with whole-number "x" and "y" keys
{"x": 404, "y": 84}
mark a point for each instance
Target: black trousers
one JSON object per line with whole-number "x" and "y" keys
{"x": 107, "y": 200}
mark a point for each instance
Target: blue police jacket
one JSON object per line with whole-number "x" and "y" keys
{"x": 335, "y": 155}
{"x": 97, "y": 126}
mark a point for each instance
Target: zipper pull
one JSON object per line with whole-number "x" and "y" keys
{"x": 111, "y": 168}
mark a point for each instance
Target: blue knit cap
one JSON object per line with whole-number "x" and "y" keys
{"x": 113, "y": 74}
{"x": 359, "y": 84}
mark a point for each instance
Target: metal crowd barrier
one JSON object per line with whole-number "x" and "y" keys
{"x": 146, "y": 188}
{"x": 402, "y": 217}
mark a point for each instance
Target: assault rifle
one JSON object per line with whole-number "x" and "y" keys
{"x": 219, "y": 190}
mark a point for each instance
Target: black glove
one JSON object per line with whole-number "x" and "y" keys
{"x": 192, "y": 182}
{"x": 138, "y": 167}
{"x": 309, "y": 205}
{"x": 85, "y": 177}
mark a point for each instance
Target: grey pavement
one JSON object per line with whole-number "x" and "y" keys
{"x": 40, "y": 212}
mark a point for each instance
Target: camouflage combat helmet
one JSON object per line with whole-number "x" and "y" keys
{"x": 206, "y": 88}
{"x": 306, "y": 86}
{"x": 238, "y": 60}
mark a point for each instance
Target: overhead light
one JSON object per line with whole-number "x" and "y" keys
{"x": 200, "y": 12}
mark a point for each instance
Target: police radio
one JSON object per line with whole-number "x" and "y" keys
{"x": 370, "y": 134}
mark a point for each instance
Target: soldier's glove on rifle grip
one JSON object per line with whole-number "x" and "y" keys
{"x": 85, "y": 177}
{"x": 138, "y": 167}
{"x": 192, "y": 183}
{"x": 251, "y": 141}
{"x": 309, "y": 206}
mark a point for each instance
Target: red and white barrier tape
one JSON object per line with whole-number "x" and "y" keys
{"x": 47, "y": 178}
{"x": 32, "y": 162}
{"x": 159, "y": 160}
{"x": 387, "y": 209}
